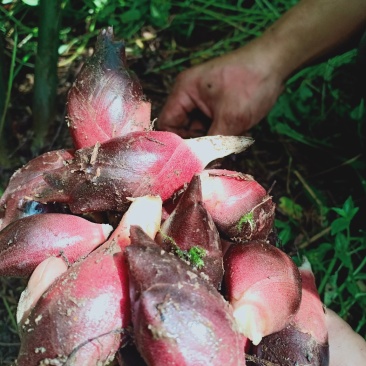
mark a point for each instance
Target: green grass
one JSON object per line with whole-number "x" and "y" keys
{"x": 311, "y": 144}
{"x": 338, "y": 260}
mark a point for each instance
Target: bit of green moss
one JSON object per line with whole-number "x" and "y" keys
{"x": 247, "y": 218}
{"x": 194, "y": 255}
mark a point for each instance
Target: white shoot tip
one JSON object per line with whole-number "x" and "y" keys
{"x": 144, "y": 212}
{"x": 248, "y": 323}
{"x": 209, "y": 148}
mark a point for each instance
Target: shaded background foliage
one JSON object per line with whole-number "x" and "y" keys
{"x": 310, "y": 149}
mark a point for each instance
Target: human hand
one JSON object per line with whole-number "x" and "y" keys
{"x": 346, "y": 347}
{"x": 234, "y": 91}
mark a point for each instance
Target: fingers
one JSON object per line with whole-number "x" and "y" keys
{"x": 228, "y": 126}
{"x": 181, "y": 116}
{"x": 188, "y": 97}
{"x": 234, "y": 95}
{"x": 174, "y": 115}
{"x": 232, "y": 120}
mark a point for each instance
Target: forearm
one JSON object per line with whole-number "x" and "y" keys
{"x": 239, "y": 88}
{"x": 309, "y": 30}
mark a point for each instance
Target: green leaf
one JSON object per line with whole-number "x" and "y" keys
{"x": 285, "y": 235}
{"x": 353, "y": 288}
{"x": 341, "y": 243}
{"x": 131, "y": 15}
{"x": 154, "y": 11}
{"x": 348, "y": 204}
{"x": 342, "y": 250}
{"x": 290, "y": 208}
{"x": 107, "y": 12}
{"x": 63, "y": 48}
{"x": 331, "y": 292}
{"x": 343, "y": 58}
{"x": 339, "y": 225}
{"x": 31, "y": 2}
{"x": 284, "y": 231}
{"x": 352, "y": 212}
{"x": 305, "y": 92}
{"x": 285, "y": 129}
{"x": 318, "y": 254}
{"x": 348, "y": 211}
{"x": 282, "y": 110}
{"x": 160, "y": 11}
{"x": 350, "y": 208}
{"x": 339, "y": 211}
{"x": 358, "y": 112}
{"x": 100, "y": 3}
{"x": 346, "y": 260}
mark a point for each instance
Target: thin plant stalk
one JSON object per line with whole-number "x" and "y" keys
{"x": 45, "y": 79}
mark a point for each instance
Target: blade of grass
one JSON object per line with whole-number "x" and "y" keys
{"x": 10, "y": 84}
{"x": 237, "y": 9}
{"x": 18, "y": 23}
{"x": 361, "y": 323}
{"x": 4, "y": 344}
{"x": 224, "y": 19}
{"x": 10, "y": 313}
{"x": 285, "y": 129}
{"x": 21, "y": 63}
{"x": 360, "y": 267}
{"x": 270, "y": 7}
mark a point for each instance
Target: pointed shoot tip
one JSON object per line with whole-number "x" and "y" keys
{"x": 210, "y": 148}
